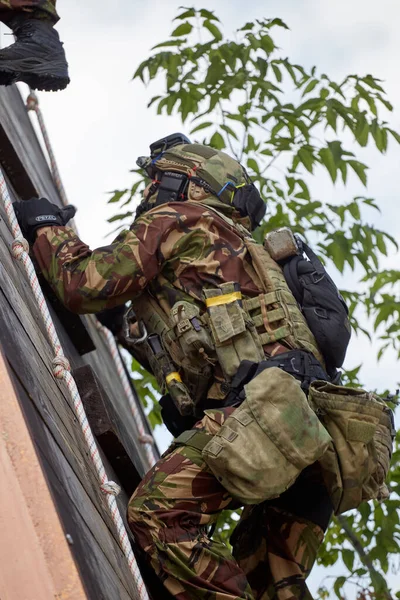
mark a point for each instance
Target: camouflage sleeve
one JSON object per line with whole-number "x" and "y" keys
{"x": 88, "y": 281}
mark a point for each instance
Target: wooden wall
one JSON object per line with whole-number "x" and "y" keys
{"x": 56, "y": 435}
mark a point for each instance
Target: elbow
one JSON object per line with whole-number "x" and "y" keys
{"x": 75, "y": 302}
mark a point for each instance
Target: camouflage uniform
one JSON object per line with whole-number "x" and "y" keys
{"x": 175, "y": 250}
{"x": 40, "y": 9}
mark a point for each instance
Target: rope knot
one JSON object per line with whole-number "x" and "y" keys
{"x": 19, "y": 246}
{"x": 60, "y": 364}
{"x": 32, "y": 101}
{"x": 111, "y": 488}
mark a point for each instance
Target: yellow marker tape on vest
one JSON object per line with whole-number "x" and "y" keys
{"x": 224, "y": 299}
{"x": 174, "y": 376}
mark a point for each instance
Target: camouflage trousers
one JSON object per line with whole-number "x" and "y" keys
{"x": 40, "y": 9}
{"x": 274, "y": 545}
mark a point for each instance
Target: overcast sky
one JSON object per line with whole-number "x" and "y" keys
{"x": 100, "y": 124}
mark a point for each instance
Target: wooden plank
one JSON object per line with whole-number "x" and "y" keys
{"x": 119, "y": 409}
{"x": 100, "y": 561}
{"x": 101, "y": 361}
{"x": 53, "y": 426}
{"x": 97, "y": 407}
{"x": 57, "y": 414}
{"x": 17, "y": 127}
{"x": 125, "y": 426}
{"x": 34, "y": 553}
{"x": 50, "y": 399}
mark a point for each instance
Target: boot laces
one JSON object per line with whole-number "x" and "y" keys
{"x": 25, "y": 32}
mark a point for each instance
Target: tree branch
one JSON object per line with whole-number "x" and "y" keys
{"x": 365, "y": 559}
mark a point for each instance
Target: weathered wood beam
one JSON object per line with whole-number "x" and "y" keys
{"x": 35, "y": 557}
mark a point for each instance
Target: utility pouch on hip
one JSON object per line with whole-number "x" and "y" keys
{"x": 361, "y": 426}
{"x": 234, "y": 334}
{"x": 265, "y": 444}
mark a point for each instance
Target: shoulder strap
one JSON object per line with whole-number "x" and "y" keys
{"x": 241, "y": 231}
{"x": 194, "y": 439}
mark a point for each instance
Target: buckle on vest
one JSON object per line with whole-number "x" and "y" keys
{"x": 184, "y": 325}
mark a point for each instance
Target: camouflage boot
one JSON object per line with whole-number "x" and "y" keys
{"x": 37, "y": 57}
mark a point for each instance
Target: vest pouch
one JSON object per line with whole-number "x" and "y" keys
{"x": 265, "y": 444}
{"x": 192, "y": 335}
{"x": 233, "y": 332}
{"x": 356, "y": 463}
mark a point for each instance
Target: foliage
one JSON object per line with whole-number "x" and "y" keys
{"x": 289, "y": 125}
{"x": 146, "y": 388}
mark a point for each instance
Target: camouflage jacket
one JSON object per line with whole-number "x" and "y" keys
{"x": 175, "y": 250}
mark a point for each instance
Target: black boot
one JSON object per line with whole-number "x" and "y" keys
{"x": 37, "y": 57}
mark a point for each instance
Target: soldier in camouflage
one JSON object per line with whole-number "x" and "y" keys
{"x": 173, "y": 251}
{"x": 37, "y": 57}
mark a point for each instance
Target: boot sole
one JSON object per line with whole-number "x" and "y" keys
{"x": 43, "y": 82}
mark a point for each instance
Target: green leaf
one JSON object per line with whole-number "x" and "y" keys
{"x": 116, "y": 196}
{"x": 247, "y": 27}
{"x": 277, "y": 22}
{"x": 267, "y": 44}
{"x": 201, "y": 126}
{"x": 337, "y": 586}
{"x": 207, "y": 14}
{"x": 354, "y": 210}
{"x": 277, "y": 72}
{"x": 327, "y": 159}
{"x": 306, "y": 158}
{"x": 253, "y": 165}
{"x": 120, "y": 216}
{"x": 229, "y": 131}
{"x": 182, "y": 29}
{"x": 217, "y": 141}
{"x": 359, "y": 169}
{"x": 187, "y": 14}
{"x": 331, "y": 118}
{"x": 394, "y": 134}
{"x": 380, "y": 242}
{"x": 213, "y": 29}
{"x": 168, "y": 44}
{"x": 311, "y": 85}
{"x": 362, "y": 131}
{"x": 348, "y": 558}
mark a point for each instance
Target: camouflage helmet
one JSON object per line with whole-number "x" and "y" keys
{"x": 196, "y": 172}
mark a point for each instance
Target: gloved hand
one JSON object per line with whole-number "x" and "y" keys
{"x": 113, "y": 319}
{"x": 39, "y": 212}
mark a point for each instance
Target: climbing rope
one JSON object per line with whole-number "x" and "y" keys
{"x": 62, "y": 370}
{"x": 32, "y": 104}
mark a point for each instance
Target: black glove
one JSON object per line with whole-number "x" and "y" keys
{"x": 39, "y": 212}
{"x": 113, "y": 318}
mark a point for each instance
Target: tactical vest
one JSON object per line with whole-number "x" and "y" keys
{"x": 184, "y": 346}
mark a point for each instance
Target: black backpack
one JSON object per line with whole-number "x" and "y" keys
{"x": 321, "y": 303}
